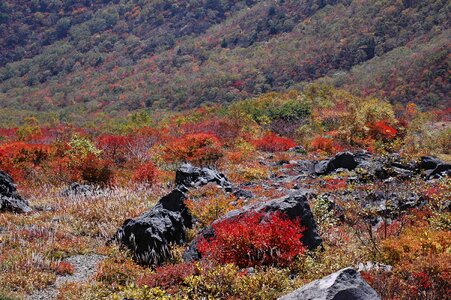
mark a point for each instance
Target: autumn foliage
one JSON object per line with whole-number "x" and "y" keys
{"x": 145, "y": 173}
{"x": 273, "y": 143}
{"x": 381, "y": 129}
{"x": 252, "y": 240}
{"x": 168, "y": 276}
{"x": 327, "y": 145}
{"x": 198, "y": 148}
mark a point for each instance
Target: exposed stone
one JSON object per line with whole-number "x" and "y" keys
{"x": 150, "y": 235}
{"x": 439, "y": 171}
{"x": 346, "y": 284}
{"x": 344, "y": 160}
{"x": 191, "y": 176}
{"x": 243, "y": 194}
{"x": 429, "y": 163}
{"x": 76, "y": 189}
{"x": 10, "y": 200}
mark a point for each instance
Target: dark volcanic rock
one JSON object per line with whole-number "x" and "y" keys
{"x": 79, "y": 189}
{"x": 429, "y": 163}
{"x": 150, "y": 235}
{"x": 434, "y": 167}
{"x": 439, "y": 171}
{"x": 346, "y": 284}
{"x": 191, "y": 176}
{"x": 294, "y": 206}
{"x": 10, "y": 200}
{"x": 390, "y": 205}
{"x": 243, "y": 194}
{"x": 342, "y": 160}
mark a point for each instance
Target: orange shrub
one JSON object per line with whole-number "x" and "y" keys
{"x": 146, "y": 173}
{"x": 325, "y": 144}
{"x": 382, "y": 130}
{"x": 168, "y": 277}
{"x": 211, "y": 205}
{"x": 273, "y": 143}
{"x": 91, "y": 169}
{"x": 64, "y": 268}
{"x": 19, "y": 158}
{"x": 198, "y": 148}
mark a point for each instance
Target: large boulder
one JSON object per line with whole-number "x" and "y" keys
{"x": 428, "y": 163}
{"x": 342, "y": 160}
{"x": 346, "y": 284}
{"x": 191, "y": 176}
{"x": 294, "y": 206}
{"x": 439, "y": 171}
{"x": 10, "y": 200}
{"x": 149, "y": 236}
{"x": 434, "y": 167}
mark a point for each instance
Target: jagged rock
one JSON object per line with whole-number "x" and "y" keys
{"x": 243, "y": 194}
{"x": 441, "y": 170}
{"x": 344, "y": 160}
{"x": 150, "y": 235}
{"x": 294, "y": 206}
{"x": 79, "y": 189}
{"x": 10, "y": 200}
{"x": 346, "y": 284}
{"x": 191, "y": 176}
{"x": 434, "y": 167}
{"x": 390, "y": 205}
{"x": 429, "y": 163}
{"x": 370, "y": 266}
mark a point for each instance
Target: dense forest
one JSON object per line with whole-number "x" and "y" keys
{"x": 76, "y": 58}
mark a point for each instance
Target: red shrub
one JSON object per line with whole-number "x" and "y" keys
{"x": 251, "y": 240}
{"x": 64, "y": 268}
{"x": 168, "y": 277}
{"x": 113, "y": 146}
{"x": 19, "y": 158}
{"x": 94, "y": 170}
{"x": 325, "y": 144}
{"x": 146, "y": 173}
{"x": 198, "y": 148}
{"x": 382, "y": 129}
{"x": 334, "y": 184}
{"x": 273, "y": 143}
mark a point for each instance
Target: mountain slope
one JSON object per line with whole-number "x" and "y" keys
{"x": 89, "y": 56}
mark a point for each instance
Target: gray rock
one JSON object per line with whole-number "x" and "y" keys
{"x": 149, "y": 236}
{"x": 191, "y": 176}
{"x": 346, "y": 284}
{"x": 10, "y": 200}
{"x": 439, "y": 171}
{"x": 429, "y": 163}
{"x": 342, "y": 160}
{"x": 76, "y": 189}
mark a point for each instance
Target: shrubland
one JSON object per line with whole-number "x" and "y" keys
{"x": 254, "y": 141}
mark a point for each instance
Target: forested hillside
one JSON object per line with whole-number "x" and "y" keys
{"x": 83, "y": 57}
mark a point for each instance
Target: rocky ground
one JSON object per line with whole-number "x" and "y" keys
{"x": 111, "y": 239}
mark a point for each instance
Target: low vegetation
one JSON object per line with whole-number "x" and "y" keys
{"x": 255, "y": 141}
